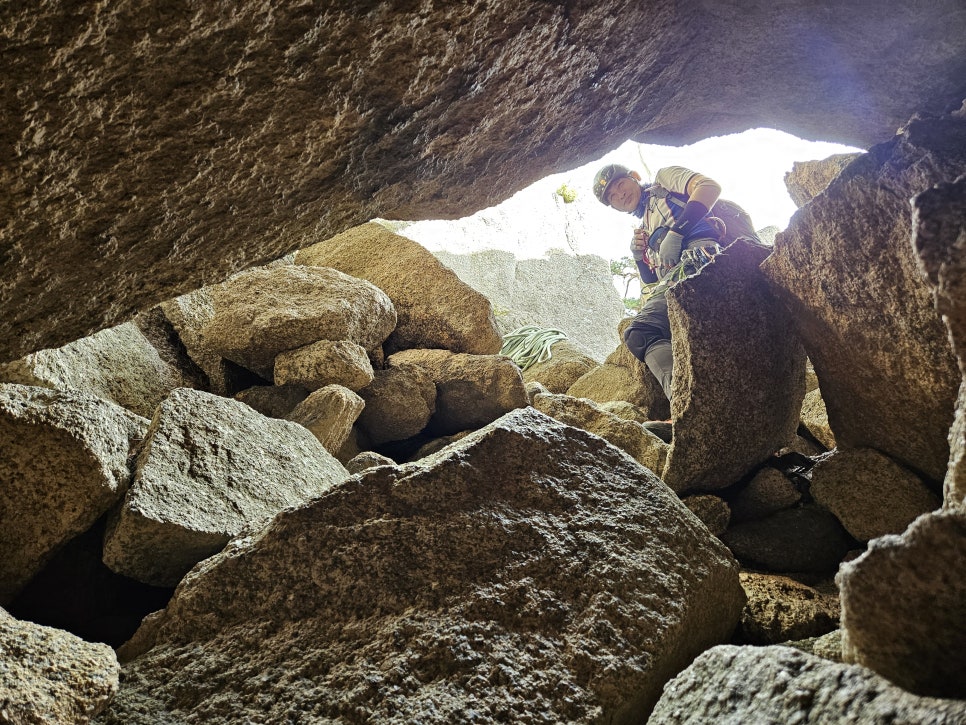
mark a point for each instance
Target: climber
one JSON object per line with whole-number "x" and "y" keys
{"x": 676, "y": 238}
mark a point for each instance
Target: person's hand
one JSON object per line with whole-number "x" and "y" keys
{"x": 670, "y": 249}
{"x": 638, "y": 245}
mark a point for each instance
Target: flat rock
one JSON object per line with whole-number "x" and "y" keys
{"x": 327, "y": 362}
{"x": 435, "y": 308}
{"x": 628, "y": 435}
{"x": 731, "y": 685}
{"x": 210, "y": 468}
{"x": 767, "y": 492}
{"x": 529, "y": 572}
{"x": 51, "y": 676}
{"x": 64, "y": 463}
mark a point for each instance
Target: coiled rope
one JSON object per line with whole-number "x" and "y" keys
{"x": 530, "y": 344}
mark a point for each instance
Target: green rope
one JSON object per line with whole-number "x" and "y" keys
{"x": 530, "y": 344}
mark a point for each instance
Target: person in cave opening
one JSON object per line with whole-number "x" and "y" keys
{"x": 676, "y": 238}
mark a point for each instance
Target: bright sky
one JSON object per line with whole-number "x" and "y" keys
{"x": 750, "y": 167}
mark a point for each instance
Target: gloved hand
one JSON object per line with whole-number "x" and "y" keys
{"x": 638, "y": 245}
{"x": 670, "y": 250}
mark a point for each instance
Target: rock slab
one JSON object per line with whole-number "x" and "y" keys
{"x": 529, "y": 572}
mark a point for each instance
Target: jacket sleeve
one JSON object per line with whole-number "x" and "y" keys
{"x": 648, "y": 275}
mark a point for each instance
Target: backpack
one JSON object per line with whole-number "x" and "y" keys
{"x": 735, "y": 220}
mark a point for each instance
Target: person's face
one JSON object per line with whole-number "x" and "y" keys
{"x": 624, "y": 194}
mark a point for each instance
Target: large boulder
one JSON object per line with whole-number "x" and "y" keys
{"x": 733, "y": 685}
{"x": 904, "y": 604}
{"x": 329, "y": 413}
{"x": 210, "y": 468}
{"x": 51, "y": 676}
{"x": 847, "y": 271}
{"x": 144, "y": 164}
{"x": 804, "y": 539}
{"x": 623, "y": 377}
{"x": 739, "y": 375}
{"x": 269, "y": 310}
{"x": 628, "y": 435}
{"x": 939, "y": 236}
{"x": 529, "y": 572}
{"x": 435, "y": 308}
{"x": 780, "y": 609}
{"x": 398, "y": 403}
{"x": 118, "y": 364}
{"x": 471, "y": 390}
{"x": 869, "y": 493}
{"x": 566, "y": 364}
{"x": 63, "y": 463}
{"x": 573, "y": 293}
{"x": 808, "y": 179}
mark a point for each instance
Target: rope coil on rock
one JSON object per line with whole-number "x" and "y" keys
{"x": 530, "y": 344}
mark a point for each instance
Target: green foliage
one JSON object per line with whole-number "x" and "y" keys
{"x": 567, "y": 193}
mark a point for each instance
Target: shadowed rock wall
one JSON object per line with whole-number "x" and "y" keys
{"x": 147, "y": 149}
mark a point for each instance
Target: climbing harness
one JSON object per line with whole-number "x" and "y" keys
{"x": 530, "y": 344}
{"x": 692, "y": 260}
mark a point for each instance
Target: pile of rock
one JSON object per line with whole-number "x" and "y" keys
{"x": 370, "y": 514}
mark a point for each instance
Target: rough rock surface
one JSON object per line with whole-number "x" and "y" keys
{"x": 713, "y": 511}
{"x": 118, "y": 364}
{"x": 188, "y": 315}
{"x": 780, "y": 609}
{"x": 846, "y": 269}
{"x": 802, "y": 539}
{"x": 808, "y": 179}
{"x": 769, "y": 491}
{"x": 367, "y": 459}
{"x": 623, "y": 377}
{"x": 210, "y": 468}
{"x": 628, "y": 435}
{"x": 530, "y": 572}
{"x": 869, "y": 493}
{"x": 435, "y": 308}
{"x": 149, "y": 140}
{"x": 51, "y": 676}
{"x": 815, "y": 418}
{"x": 268, "y": 310}
{"x": 567, "y": 363}
{"x": 904, "y": 604}
{"x": 398, "y": 403}
{"x": 573, "y": 293}
{"x": 739, "y": 376}
{"x": 329, "y": 414}
{"x": 730, "y": 685}
{"x": 63, "y": 463}
{"x": 322, "y": 363}
{"x": 274, "y": 401}
{"x": 471, "y": 390}
{"x": 939, "y": 236}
